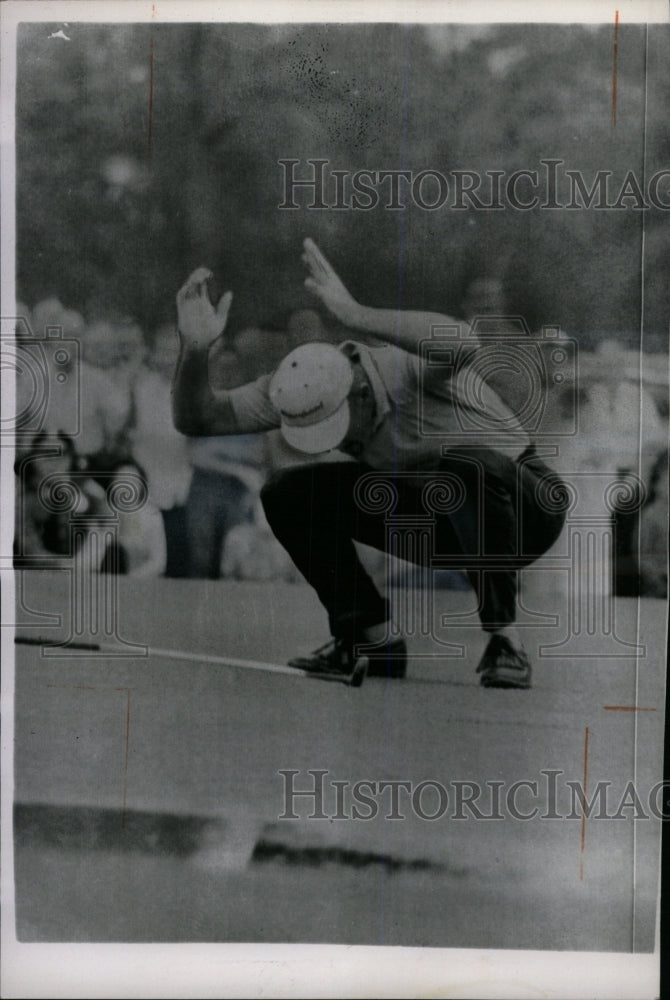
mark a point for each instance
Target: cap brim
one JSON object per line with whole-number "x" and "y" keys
{"x": 323, "y": 436}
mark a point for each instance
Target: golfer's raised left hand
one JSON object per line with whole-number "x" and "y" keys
{"x": 324, "y": 282}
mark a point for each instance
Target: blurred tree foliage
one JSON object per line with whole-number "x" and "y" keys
{"x": 145, "y": 150}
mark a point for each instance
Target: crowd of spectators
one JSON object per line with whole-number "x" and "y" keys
{"x": 104, "y": 422}
{"x": 102, "y": 393}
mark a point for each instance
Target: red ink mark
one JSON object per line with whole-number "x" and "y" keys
{"x": 74, "y": 687}
{"x": 84, "y": 687}
{"x": 125, "y": 763}
{"x": 583, "y": 836}
{"x": 87, "y": 687}
{"x": 626, "y": 708}
{"x": 614, "y": 66}
{"x": 151, "y": 97}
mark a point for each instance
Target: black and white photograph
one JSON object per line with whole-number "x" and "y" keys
{"x": 335, "y": 499}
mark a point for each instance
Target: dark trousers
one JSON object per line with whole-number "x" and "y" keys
{"x": 491, "y": 516}
{"x": 176, "y": 540}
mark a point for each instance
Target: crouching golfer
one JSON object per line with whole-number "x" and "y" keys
{"x": 389, "y": 411}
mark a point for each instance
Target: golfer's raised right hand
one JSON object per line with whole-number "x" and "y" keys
{"x": 199, "y": 323}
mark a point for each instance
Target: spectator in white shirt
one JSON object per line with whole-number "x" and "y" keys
{"x": 160, "y": 449}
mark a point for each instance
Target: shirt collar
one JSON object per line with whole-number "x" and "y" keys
{"x": 381, "y": 398}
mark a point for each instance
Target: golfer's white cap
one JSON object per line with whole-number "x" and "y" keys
{"x": 309, "y": 391}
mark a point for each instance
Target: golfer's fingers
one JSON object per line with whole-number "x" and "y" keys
{"x": 199, "y": 275}
{"x": 311, "y": 263}
{"x": 319, "y": 262}
{"x": 316, "y": 262}
{"x": 223, "y": 308}
{"x": 316, "y": 273}
{"x": 195, "y": 283}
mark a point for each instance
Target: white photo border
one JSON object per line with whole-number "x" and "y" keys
{"x": 223, "y": 970}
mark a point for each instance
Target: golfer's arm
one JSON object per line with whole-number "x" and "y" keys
{"x": 197, "y": 410}
{"x": 404, "y": 329}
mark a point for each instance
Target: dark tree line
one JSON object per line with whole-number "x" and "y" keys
{"x": 145, "y": 150}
